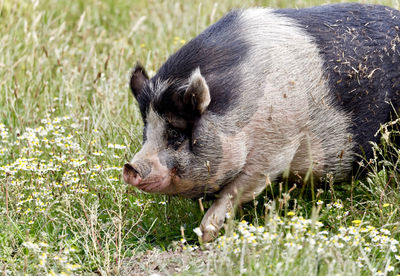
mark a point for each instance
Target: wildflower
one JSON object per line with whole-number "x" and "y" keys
{"x": 198, "y": 232}
{"x": 291, "y": 213}
{"x": 293, "y": 245}
{"x": 260, "y": 229}
{"x": 31, "y": 246}
{"x": 72, "y": 267}
{"x": 346, "y": 238}
{"x": 339, "y": 245}
{"x": 42, "y": 259}
{"x": 385, "y": 232}
{"x": 252, "y": 229}
{"x": 352, "y": 230}
{"x": 357, "y": 221}
{"x": 116, "y": 146}
{"x": 138, "y": 203}
{"x": 43, "y": 244}
{"x": 342, "y": 230}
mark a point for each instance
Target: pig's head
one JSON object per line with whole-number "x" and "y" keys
{"x": 173, "y": 158}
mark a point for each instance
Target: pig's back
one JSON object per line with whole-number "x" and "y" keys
{"x": 359, "y": 47}
{"x": 344, "y": 55}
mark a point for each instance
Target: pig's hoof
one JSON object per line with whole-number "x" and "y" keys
{"x": 210, "y": 232}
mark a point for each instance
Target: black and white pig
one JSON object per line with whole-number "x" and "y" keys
{"x": 262, "y": 92}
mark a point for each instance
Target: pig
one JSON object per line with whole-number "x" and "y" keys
{"x": 264, "y": 92}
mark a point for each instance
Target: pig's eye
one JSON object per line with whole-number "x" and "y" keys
{"x": 175, "y": 137}
{"x": 173, "y": 133}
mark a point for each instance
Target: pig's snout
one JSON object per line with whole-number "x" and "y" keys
{"x": 148, "y": 174}
{"x": 131, "y": 175}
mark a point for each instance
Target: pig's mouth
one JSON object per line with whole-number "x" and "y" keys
{"x": 156, "y": 185}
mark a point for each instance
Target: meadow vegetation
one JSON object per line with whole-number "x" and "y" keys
{"x": 68, "y": 123}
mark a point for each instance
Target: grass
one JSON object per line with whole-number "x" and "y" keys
{"x": 68, "y": 123}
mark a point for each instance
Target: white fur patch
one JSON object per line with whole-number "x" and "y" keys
{"x": 155, "y": 134}
{"x": 306, "y": 128}
{"x": 156, "y": 128}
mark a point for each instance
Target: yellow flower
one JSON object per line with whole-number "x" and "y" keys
{"x": 357, "y": 221}
{"x": 291, "y": 213}
{"x": 385, "y": 205}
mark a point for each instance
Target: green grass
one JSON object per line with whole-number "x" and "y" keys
{"x": 68, "y": 123}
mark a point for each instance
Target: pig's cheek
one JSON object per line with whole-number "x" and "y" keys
{"x": 182, "y": 155}
{"x": 168, "y": 159}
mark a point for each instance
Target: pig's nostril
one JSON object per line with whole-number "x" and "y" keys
{"x": 129, "y": 168}
{"x": 131, "y": 175}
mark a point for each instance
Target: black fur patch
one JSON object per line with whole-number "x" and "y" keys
{"x": 167, "y": 159}
{"x": 217, "y": 52}
{"x": 170, "y": 101}
{"x": 361, "y": 51}
{"x": 144, "y": 99}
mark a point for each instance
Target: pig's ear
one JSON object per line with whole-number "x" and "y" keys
{"x": 138, "y": 79}
{"x": 197, "y": 95}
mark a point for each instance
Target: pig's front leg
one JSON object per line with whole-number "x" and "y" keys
{"x": 233, "y": 194}
{"x": 215, "y": 216}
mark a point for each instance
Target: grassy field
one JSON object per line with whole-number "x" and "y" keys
{"x": 68, "y": 123}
